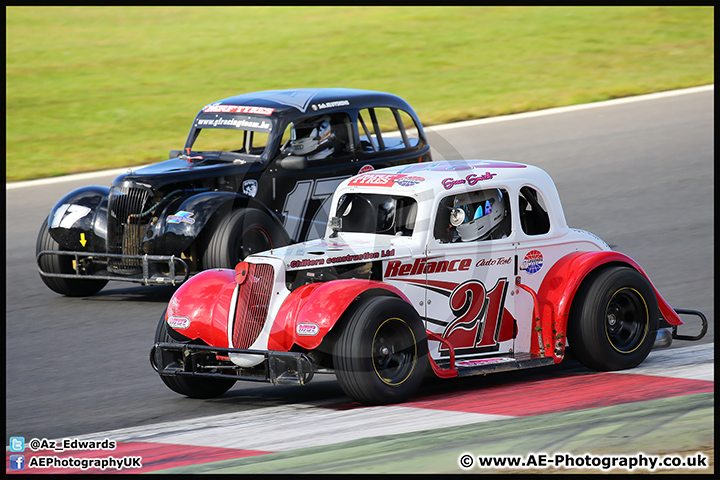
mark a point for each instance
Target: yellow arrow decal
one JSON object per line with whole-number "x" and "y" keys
{"x": 82, "y": 239}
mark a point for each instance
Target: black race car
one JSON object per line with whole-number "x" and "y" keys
{"x": 257, "y": 172}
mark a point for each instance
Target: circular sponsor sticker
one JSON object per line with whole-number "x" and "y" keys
{"x": 366, "y": 169}
{"x": 532, "y": 262}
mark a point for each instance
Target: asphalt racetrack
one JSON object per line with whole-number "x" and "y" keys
{"x": 639, "y": 174}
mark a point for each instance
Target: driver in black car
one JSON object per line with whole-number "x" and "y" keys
{"x": 314, "y": 139}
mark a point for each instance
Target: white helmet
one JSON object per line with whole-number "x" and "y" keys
{"x": 476, "y": 214}
{"x": 318, "y": 138}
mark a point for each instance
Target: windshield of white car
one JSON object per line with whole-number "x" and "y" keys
{"x": 377, "y": 214}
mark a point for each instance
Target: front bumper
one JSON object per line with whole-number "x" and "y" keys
{"x": 703, "y": 325}
{"x": 177, "y": 359}
{"x": 154, "y": 269}
{"x": 667, "y": 333}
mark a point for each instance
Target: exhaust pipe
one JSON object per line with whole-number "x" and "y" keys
{"x": 663, "y": 338}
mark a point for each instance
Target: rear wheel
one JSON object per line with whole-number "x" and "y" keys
{"x": 380, "y": 356}
{"x": 614, "y": 319}
{"x": 193, "y": 387}
{"x": 239, "y": 234}
{"x": 62, "y": 264}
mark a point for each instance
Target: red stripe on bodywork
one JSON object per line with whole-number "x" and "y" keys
{"x": 564, "y": 394}
{"x": 155, "y": 456}
{"x": 449, "y": 286}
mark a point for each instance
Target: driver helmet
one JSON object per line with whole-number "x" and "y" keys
{"x": 318, "y": 138}
{"x": 476, "y": 214}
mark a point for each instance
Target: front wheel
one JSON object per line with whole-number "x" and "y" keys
{"x": 193, "y": 387}
{"x": 381, "y": 354}
{"x": 613, "y": 319}
{"x": 62, "y": 264}
{"x": 239, "y": 234}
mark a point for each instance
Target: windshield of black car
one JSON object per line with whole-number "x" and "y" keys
{"x": 229, "y": 132}
{"x": 378, "y": 214}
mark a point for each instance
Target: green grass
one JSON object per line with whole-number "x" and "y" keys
{"x": 90, "y": 88}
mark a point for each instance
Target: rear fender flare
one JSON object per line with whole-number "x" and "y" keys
{"x": 204, "y": 301}
{"x": 557, "y": 291}
{"x": 311, "y": 311}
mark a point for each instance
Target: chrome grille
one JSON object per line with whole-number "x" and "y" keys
{"x": 125, "y": 227}
{"x": 252, "y": 304}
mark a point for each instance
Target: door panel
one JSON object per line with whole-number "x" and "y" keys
{"x": 470, "y": 299}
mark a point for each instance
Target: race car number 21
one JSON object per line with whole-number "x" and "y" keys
{"x": 478, "y": 317}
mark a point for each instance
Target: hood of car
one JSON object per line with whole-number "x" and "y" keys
{"x": 345, "y": 249}
{"x": 177, "y": 170}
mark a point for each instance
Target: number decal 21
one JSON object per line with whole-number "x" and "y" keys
{"x": 478, "y": 316}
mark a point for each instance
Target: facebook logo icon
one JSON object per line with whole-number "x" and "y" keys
{"x": 17, "y": 462}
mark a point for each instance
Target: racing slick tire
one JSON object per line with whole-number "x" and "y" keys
{"x": 189, "y": 386}
{"x": 239, "y": 234}
{"x": 613, "y": 319}
{"x": 380, "y": 356}
{"x": 62, "y": 264}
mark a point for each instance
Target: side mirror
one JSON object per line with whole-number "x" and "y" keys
{"x": 175, "y": 153}
{"x": 293, "y": 162}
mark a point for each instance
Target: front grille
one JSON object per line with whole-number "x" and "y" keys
{"x": 125, "y": 227}
{"x": 252, "y": 304}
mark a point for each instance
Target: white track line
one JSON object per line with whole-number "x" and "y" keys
{"x": 437, "y": 128}
{"x": 290, "y": 427}
{"x": 573, "y": 108}
{"x": 695, "y": 363}
{"x": 69, "y": 178}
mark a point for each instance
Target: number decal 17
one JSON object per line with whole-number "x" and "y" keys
{"x": 296, "y": 208}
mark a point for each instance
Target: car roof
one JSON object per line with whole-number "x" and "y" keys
{"x": 301, "y": 100}
{"x": 431, "y": 181}
{"x": 452, "y": 176}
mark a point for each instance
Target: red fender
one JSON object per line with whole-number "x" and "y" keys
{"x": 205, "y": 299}
{"x": 317, "y": 306}
{"x": 558, "y": 289}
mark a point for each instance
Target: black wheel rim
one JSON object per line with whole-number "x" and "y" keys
{"x": 394, "y": 351}
{"x": 254, "y": 240}
{"x": 626, "y": 320}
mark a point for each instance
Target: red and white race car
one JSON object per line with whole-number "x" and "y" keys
{"x": 460, "y": 267}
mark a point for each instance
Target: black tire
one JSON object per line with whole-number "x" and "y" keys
{"x": 193, "y": 387}
{"x": 380, "y": 356}
{"x": 613, "y": 319}
{"x": 239, "y": 234}
{"x": 57, "y": 264}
